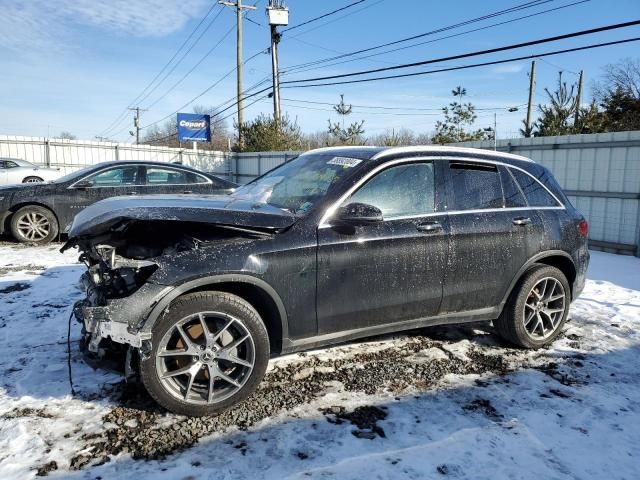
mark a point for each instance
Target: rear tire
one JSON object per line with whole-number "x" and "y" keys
{"x": 205, "y": 336}
{"x": 537, "y": 308}
{"x": 34, "y": 224}
{"x": 33, "y": 179}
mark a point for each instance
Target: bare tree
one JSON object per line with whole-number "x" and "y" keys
{"x": 623, "y": 76}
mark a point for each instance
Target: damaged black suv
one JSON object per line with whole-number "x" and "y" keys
{"x": 338, "y": 244}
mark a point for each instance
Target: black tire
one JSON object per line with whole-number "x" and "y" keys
{"x": 33, "y": 179}
{"x": 45, "y": 219}
{"x": 187, "y": 306}
{"x": 511, "y": 323}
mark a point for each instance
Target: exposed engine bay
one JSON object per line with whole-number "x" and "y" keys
{"x": 120, "y": 261}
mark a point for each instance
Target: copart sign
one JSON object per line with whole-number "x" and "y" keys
{"x": 194, "y": 127}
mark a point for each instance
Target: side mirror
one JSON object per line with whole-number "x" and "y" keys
{"x": 83, "y": 185}
{"x": 359, "y": 214}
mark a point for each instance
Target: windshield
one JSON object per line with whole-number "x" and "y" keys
{"x": 298, "y": 185}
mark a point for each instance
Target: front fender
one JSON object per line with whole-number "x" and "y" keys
{"x": 146, "y": 324}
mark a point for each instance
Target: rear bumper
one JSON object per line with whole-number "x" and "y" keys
{"x": 582, "y": 265}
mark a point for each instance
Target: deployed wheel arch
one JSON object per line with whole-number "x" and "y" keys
{"x": 255, "y": 291}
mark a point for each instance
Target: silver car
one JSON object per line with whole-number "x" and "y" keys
{"x": 15, "y": 170}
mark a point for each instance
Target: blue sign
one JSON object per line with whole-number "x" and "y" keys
{"x": 194, "y": 127}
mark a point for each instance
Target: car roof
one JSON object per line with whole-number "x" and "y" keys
{"x": 377, "y": 153}
{"x": 455, "y": 151}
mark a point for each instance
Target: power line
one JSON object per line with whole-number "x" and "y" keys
{"x": 323, "y": 16}
{"x": 166, "y": 65}
{"x": 463, "y": 67}
{"x": 340, "y": 17}
{"x": 184, "y": 55}
{"x": 299, "y": 69}
{"x": 206, "y": 90}
{"x": 204, "y": 57}
{"x": 389, "y": 108}
{"x": 432, "y": 32}
{"x": 476, "y": 53}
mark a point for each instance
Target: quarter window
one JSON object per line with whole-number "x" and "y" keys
{"x": 475, "y": 186}
{"x": 403, "y": 190}
{"x": 536, "y": 194}
{"x": 115, "y": 177}
{"x": 513, "y": 196}
{"x": 10, "y": 164}
{"x": 170, "y": 176}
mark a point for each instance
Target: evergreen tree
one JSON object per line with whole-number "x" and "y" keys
{"x": 351, "y": 134}
{"x": 458, "y": 117}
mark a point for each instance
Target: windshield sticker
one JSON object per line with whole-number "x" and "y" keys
{"x": 344, "y": 161}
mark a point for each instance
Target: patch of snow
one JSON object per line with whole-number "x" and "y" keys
{"x": 579, "y": 419}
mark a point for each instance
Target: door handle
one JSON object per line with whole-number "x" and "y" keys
{"x": 429, "y": 227}
{"x": 521, "y": 221}
{"x": 188, "y": 191}
{"x": 132, "y": 193}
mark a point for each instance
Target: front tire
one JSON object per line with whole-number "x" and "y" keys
{"x": 34, "y": 224}
{"x": 537, "y": 308}
{"x": 209, "y": 352}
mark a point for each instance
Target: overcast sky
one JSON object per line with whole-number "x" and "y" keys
{"x": 75, "y": 65}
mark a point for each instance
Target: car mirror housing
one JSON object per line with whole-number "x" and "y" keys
{"x": 84, "y": 184}
{"x": 359, "y": 214}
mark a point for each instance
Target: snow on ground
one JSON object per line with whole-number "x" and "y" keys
{"x": 437, "y": 403}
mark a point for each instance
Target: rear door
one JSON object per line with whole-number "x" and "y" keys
{"x": 493, "y": 233}
{"x": 390, "y": 271}
{"x": 171, "y": 180}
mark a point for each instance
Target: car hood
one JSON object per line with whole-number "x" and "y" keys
{"x": 223, "y": 210}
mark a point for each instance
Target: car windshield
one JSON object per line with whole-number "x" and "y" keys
{"x": 298, "y": 185}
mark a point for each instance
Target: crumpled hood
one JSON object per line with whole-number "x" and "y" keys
{"x": 226, "y": 210}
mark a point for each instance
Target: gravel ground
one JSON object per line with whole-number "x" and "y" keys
{"x": 330, "y": 412}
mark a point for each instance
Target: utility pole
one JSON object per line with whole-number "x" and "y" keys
{"x": 495, "y": 131}
{"x": 278, "y": 14}
{"x": 136, "y": 123}
{"x": 578, "y": 100}
{"x": 239, "y": 7}
{"x": 532, "y": 84}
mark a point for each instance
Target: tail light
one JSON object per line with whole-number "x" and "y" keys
{"x": 583, "y": 228}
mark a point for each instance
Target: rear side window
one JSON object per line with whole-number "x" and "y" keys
{"x": 536, "y": 194}
{"x": 513, "y": 196}
{"x": 170, "y": 176}
{"x": 475, "y": 186}
{"x": 404, "y": 190}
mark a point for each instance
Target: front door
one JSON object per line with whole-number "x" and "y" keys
{"x": 389, "y": 271}
{"x": 112, "y": 182}
{"x": 493, "y": 234}
{"x": 3, "y": 173}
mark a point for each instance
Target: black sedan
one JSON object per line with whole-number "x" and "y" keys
{"x": 38, "y": 213}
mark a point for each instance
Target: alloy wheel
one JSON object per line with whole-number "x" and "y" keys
{"x": 33, "y": 226}
{"x": 205, "y": 358}
{"x": 544, "y": 308}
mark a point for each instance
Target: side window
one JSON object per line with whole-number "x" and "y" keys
{"x": 513, "y": 196}
{"x": 115, "y": 177}
{"x": 536, "y": 194}
{"x": 10, "y": 164}
{"x": 2, "y": 164}
{"x": 475, "y": 186}
{"x": 399, "y": 191}
{"x": 170, "y": 176}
